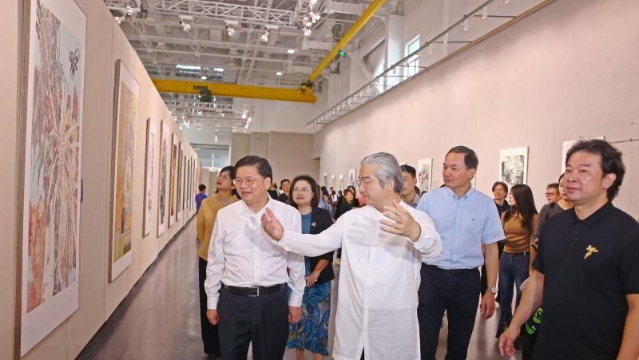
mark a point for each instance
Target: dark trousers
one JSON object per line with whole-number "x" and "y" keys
{"x": 456, "y": 293}
{"x": 262, "y": 320}
{"x": 209, "y": 332}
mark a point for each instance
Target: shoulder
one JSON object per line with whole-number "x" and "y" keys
{"x": 479, "y": 196}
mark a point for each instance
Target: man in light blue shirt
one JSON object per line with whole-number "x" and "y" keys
{"x": 467, "y": 222}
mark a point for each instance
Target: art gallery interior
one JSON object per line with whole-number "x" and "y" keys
{"x": 504, "y": 77}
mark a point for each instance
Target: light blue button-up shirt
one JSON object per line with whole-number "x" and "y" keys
{"x": 464, "y": 224}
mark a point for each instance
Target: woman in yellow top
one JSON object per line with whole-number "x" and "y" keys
{"x": 224, "y": 195}
{"x": 520, "y": 224}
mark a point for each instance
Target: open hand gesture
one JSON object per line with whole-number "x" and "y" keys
{"x": 271, "y": 225}
{"x": 400, "y": 222}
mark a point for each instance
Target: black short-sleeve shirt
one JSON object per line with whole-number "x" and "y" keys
{"x": 589, "y": 266}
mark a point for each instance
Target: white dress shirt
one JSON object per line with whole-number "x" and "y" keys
{"x": 378, "y": 282}
{"x": 241, "y": 253}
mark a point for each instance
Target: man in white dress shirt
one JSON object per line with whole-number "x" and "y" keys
{"x": 383, "y": 244}
{"x": 252, "y": 303}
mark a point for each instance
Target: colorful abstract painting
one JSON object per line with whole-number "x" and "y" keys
{"x": 163, "y": 191}
{"x": 52, "y": 171}
{"x": 149, "y": 189}
{"x": 126, "y": 114}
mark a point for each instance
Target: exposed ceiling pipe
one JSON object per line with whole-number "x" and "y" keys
{"x": 352, "y": 31}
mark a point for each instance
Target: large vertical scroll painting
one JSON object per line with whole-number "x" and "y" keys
{"x": 173, "y": 183}
{"x": 50, "y": 266}
{"x": 165, "y": 173}
{"x": 149, "y": 186}
{"x": 126, "y": 113}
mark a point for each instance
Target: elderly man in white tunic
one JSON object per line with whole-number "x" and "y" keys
{"x": 383, "y": 245}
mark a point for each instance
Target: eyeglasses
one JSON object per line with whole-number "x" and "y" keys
{"x": 224, "y": 177}
{"x": 364, "y": 181}
{"x": 247, "y": 181}
{"x": 550, "y": 193}
{"x": 302, "y": 190}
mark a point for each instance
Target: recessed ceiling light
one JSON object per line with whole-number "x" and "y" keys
{"x": 291, "y": 51}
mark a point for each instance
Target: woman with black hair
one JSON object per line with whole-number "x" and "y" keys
{"x": 311, "y": 333}
{"x": 224, "y": 195}
{"x": 520, "y": 223}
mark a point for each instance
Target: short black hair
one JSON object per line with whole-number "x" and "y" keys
{"x": 201, "y": 187}
{"x": 503, "y": 184}
{"x": 283, "y": 181}
{"x": 309, "y": 179}
{"x": 553, "y": 186}
{"x": 231, "y": 170}
{"x": 409, "y": 169}
{"x": 611, "y": 162}
{"x": 262, "y": 165}
{"x": 470, "y": 158}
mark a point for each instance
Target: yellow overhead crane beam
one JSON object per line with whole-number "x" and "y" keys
{"x": 354, "y": 29}
{"x": 232, "y": 90}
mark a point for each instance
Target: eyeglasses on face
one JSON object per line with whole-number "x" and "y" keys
{"x": 550, "y": 193}
{"x": 248, "y": 181}
{"x": 364, "y": 181}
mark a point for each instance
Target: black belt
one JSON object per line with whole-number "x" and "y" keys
{"x": 451, "y": 271}
{"x": 253, "y": 291}
{"x": 523, "y": 253}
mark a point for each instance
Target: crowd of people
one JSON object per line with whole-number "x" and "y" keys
{"x": 407, "y": 259}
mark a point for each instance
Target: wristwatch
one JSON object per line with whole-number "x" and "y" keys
{"x": 493, "y": 290}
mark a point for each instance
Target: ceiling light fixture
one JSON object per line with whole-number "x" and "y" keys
{"x": 291, "y": 51}
{"x": 314, "y": 16}
{"x": 312, "y": 2}
{"x": 185, "y": 26}
{"x": 129, "y": 10}
{"x": 484, "y": 12}
{"x": 203, "y": 77}
{"x": 279, "y": 73}
{"x": 465, "y": 25}
{"x": 307, "y": 32}
{"x": 265, "y": 36}
{"x": 230, "y": 30}
{"x": 218, "y": 69}
{"x": 120, "y": 19}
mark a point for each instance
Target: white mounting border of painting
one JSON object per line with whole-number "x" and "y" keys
{"x": 521, "y": 163}
{"x": 149, "y": 183}
{"x": 35, "y": 324}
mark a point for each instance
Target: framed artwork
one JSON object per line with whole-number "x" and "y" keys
{"x": 178, "y": 190}
{"x": 341, "y": 182}
{"x": 126, "y": 114}
{"x": 173, "y": 183}
{"x": 149, "y": 190}
{"x": 424, "y": 174}
{"x": 325, "y": 179}
{"x": 351, "y": 177}
{"x": 165, "y": 173}
{"x": 566, "y": 145}
{"x": 513, "y": 165}
{"x": 333, "y": 181}
{"x": 49, "y": 252}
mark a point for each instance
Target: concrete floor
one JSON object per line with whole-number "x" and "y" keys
{"x": 159, "y": 319}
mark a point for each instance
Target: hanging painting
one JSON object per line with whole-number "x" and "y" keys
{"x": 341, "y": 181}
{"x": 424, "y": 174}
{"x": 149, "y": 191}
{"x": 351, "y": 177}
{"x": 164, "y": 175}
{"x": 513, "y": 165}
{"x": 126, "y": 114}
{"x": 178, "y": 189}
{"x": 50, "y": 251}
{"x": 173, "y": 183}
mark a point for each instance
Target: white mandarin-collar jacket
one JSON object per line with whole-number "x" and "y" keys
{"x": 241, "y": 253}
{"x": 378, "y": 282}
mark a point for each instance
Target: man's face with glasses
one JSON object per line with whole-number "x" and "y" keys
{"x": 552, "y": 195}
{"x": 251, "y": 186}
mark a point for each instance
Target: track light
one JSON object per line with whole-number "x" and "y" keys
{"x": 307, "y": 32}
{"x": 265, "y": 36}
{"x": 279, "y": 73}
{"x": 230, "y": 30}
{"x": 314, "y": 16}
{"x": 312, "y": 2}
{"x": 185, "y": 26}
{"x": 129, "y": 10}
{"x": 119, "y": 19}
{"x": 465, "y": 25}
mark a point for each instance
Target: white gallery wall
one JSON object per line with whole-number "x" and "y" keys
{"x": 567, "y": 71}
{"x": 98, "y": 298}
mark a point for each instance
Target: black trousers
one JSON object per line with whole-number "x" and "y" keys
{"x": 209, "y": 332}
{"x": 456, "y": 293}
{"x": 262, "y": 320}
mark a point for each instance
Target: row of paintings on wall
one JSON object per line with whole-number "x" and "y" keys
{"x": 513, "y": 169}
{"x": 48, "y": 290}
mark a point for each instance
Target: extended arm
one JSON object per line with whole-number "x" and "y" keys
{"x": 214, "y": 270}
{"x": 530, "y": 301}
{"x": 629, "y": 345}
{"x": 491, "y": 262}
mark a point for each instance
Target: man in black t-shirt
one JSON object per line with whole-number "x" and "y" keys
{"x": 587, "y": 268}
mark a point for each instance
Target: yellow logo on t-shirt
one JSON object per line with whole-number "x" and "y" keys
{"x": 589, "y": 251}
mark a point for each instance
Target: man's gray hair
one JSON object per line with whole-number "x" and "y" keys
{"x": 386, "y": 169}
